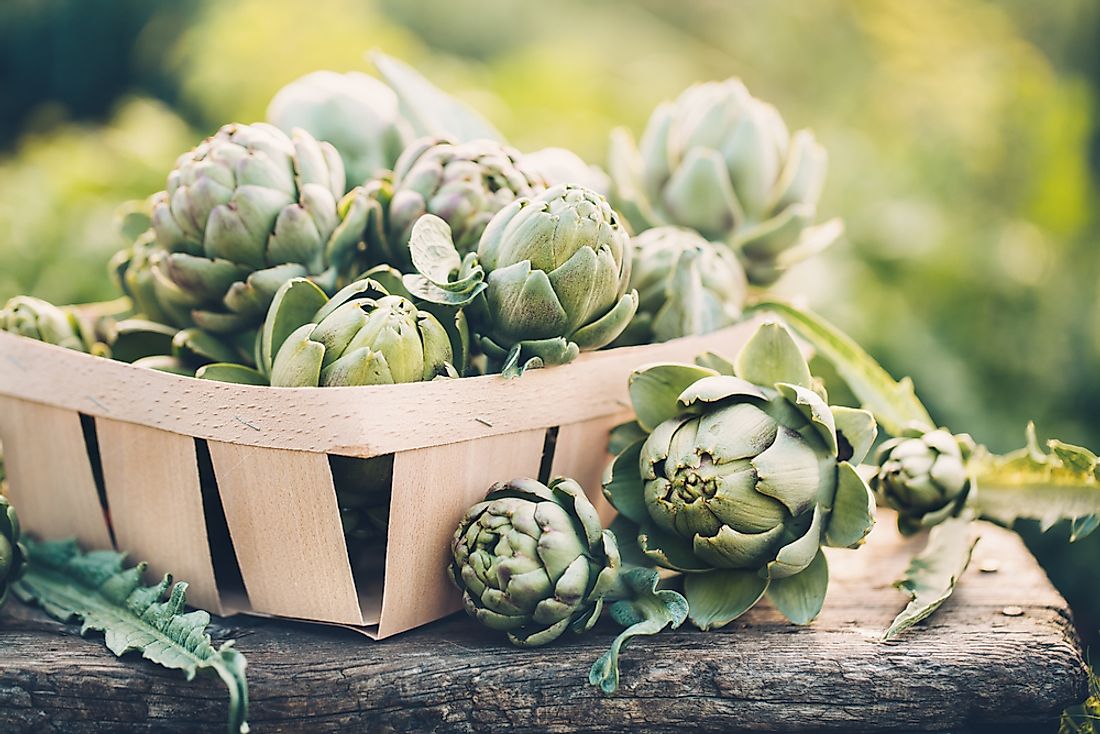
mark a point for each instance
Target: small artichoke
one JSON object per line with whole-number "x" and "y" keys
{"x": 464, "y": 184}
{"x": 923, "y": 475}
{"x": 42, "y": 321}
{"x": 354, "y": 112}
{"x": 244, "y": 212}
{"x": 741, "y": 477}
{"x": 12, "y": 554}
{"x": 533, "y": 560}
{"x": 721, "y": 162}
{"x": 686, "y": 286}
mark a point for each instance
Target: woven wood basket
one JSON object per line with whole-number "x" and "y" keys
{"x": 230, "y": 487}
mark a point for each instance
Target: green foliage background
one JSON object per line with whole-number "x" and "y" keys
{"x": 961, "y": 134}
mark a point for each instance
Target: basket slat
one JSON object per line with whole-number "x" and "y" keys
{"x": 153, "y": 490}
{"x": 577, "y": 454}
{"x": 281, "y": 510}
{"x": 50, "y": 475}
{"x": 432, "y": 489}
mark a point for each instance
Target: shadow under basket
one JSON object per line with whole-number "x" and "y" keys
{"x": 230, "y": 487}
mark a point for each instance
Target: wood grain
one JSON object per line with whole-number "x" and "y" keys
{"x": 353, "y": 421}
{"x": 970, "y": 668}
{"x": 49, "y": 473}
{"x": 152, "y": 482}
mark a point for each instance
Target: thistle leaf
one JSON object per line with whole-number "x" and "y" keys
{"x": 95, "y": 588}
{"x": 894, "y": 404}
{"x": 933, "y": 573}
{"x": 1036, "y": 484}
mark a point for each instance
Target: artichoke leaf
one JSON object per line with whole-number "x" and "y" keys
{"x": 534, "y": 354}
{"x": 655, "y": 390}
{"x": 933, "y": 573}
{"x": 624, "y": 435}
{"x": 894, "y": 404}
{"x": 295, "y": 303}
{"x": 716, "y": 362}
{"x": 721, "y": 596}
{"x": 622, "y": 484}
{"x": 856, "y": 430}
{"x": 646, "y": 611}
{"x": 853, "y": 512}
{"x": 626, "y": 535}
{"x": 771, "y": 356}
{"x": 800, "y": 597}
{"x": 228, "y": 372}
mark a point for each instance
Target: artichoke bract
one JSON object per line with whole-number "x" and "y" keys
{"x": 12, "y": 554}
{"x": 244, "y": 212}
{"x": 721, "y": 162}
{"x": 923, "y": 476}
{"x": 532, "y": 560}
{"x": 464, "y": 184}
{"x": 361, "y": 336}
{"x": 741, "y": 478}
{"x": 354, "y": 112}
{"x": 686, "y": 286}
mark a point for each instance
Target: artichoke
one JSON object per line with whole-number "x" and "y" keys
{"x": 563, "y": 166}
{"x": 686, "y": 286}
{"x": 533, "y": 560}
{"x": 550, "y": 278}
{"x": 361, "y": 336}
{"x": 354, "y": 112}
{"x": 464, "y": 184}
{"x": 742, "y": 475}
{"x": 721, "y": 162}
{"x": 244, "y": 212}
{"x": 12, "y": 554}
{"x": 45, "y": 322}
{"x": 923, "y": 475}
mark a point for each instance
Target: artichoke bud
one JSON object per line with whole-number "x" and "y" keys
{"x": 924, "y": 476}
{"x": 12, "y": 554}
{"x": 44, "y": 322}
{"x": 533, "y": 561}
{"x": 721, "y": 162}
{"x": 242, "y": 213}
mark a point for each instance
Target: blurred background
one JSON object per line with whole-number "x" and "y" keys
{"x": 964, "y": 142}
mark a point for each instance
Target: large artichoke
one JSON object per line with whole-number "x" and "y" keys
{"x": 12, "y": 554}
{"x": 464, "y": 184}
{"x": 244, "y": 212}
{"x": 354, "y": 112}
{"x": 923, "y": 476}
{"x": 534, "y": 561}
{"x": 722, "y": 162}
{"x": 361, "y": 336}
{"x": 551, "y": 277}
{"x": 686, "y": 286}
{"x": 742, "y": 477}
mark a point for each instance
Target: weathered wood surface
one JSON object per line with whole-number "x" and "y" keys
{"x": 974, "y": 667}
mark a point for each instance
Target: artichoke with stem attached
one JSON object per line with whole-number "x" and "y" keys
{"x": 923, "y": 475}
{"x": 551, "y": 277}
{"x": 686, "y": 286}
{"x": 533, "y": 561}
{"x": 721, "y": 162}
{"x": 741, "y": 476}
{"x": 354, "y": 112}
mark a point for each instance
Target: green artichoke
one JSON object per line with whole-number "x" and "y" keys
{"x": 550, "y": 278}
{"x": 45, "y": 322}
{"x": 354, "y": 112}
{"x": 464, "y": 184}
{"x": 244, "y": 212}
{"x": 533, "y": 560}
{"x": 721, "y": 162}
{"x": 361, "y": 336}
{"x": 923, "y": 476}
{"x": 742, "y": 477}
{"x": 12, "y": 554}
{"x": 686, "y": 286}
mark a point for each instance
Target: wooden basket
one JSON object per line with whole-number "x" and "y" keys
{"x": 229, "y": 486}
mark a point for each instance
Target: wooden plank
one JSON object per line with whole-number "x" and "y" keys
{"x": 353, "y": 421}
{"x": 578, "y": 454}
{"x": 49, "y": 473}
{"x": 432, "y": 489}
{"x": 281, "y": 510}
{"x": 152, "y": 482}
{"x": 970, "y": 668}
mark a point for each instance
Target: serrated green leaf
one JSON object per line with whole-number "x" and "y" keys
{"x": 894, "y": 404}
{"x": 1031, "y": 483}
{"x": 933, "y": 573}
{"x": 646, "y": 611}
{"x": 105, "y": 596}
